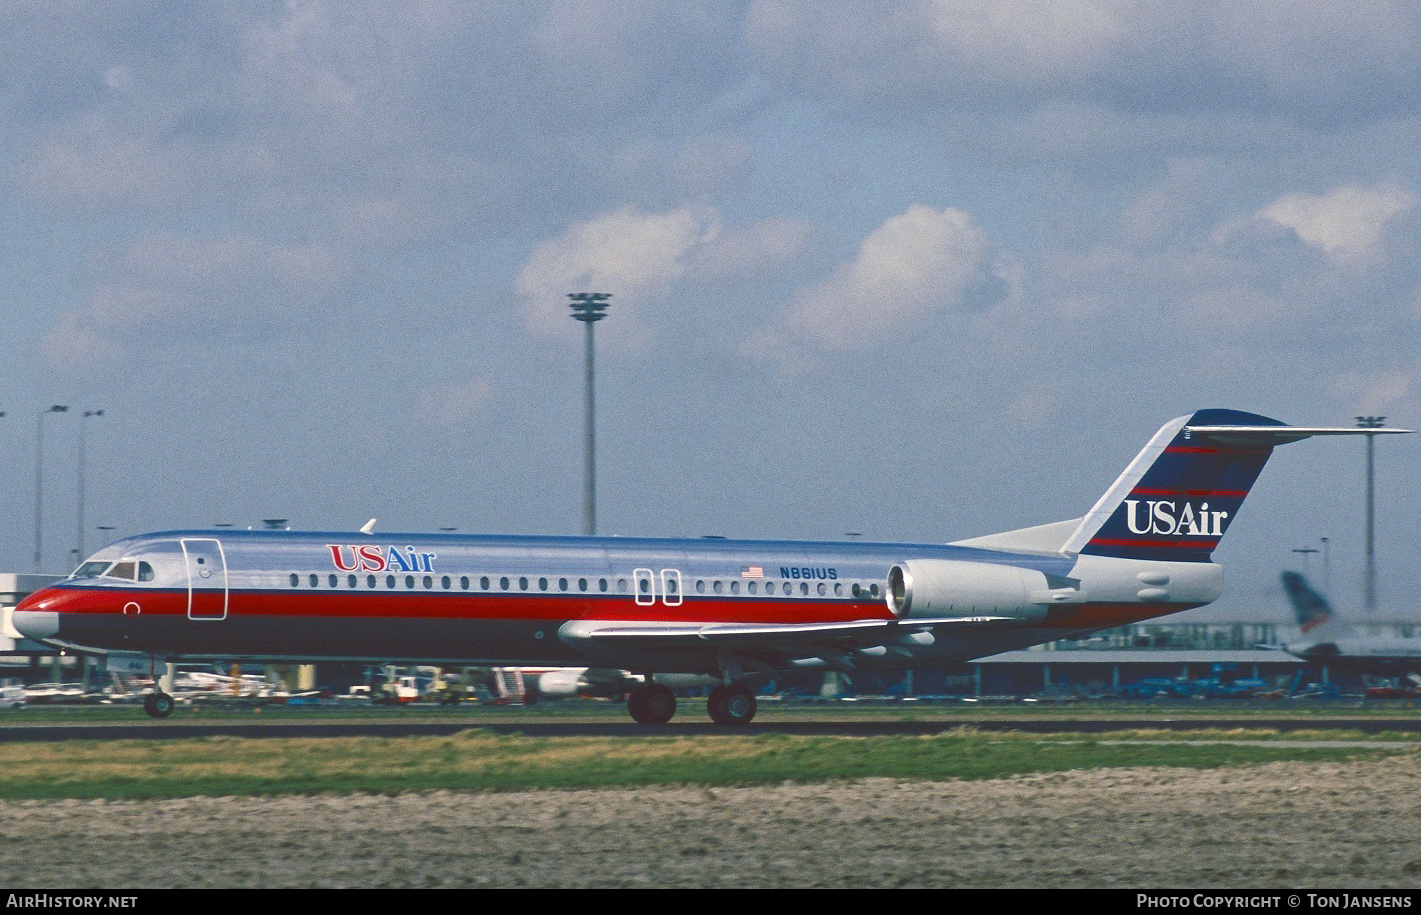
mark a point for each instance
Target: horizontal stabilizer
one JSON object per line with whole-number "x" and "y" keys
{"x": 1043, "y": 538}
{"x": 1268, "y": 436}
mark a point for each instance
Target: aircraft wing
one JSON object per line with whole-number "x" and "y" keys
{"x": 780, "y": 644}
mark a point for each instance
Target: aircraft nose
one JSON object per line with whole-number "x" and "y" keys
{"x": 36, "y": 617}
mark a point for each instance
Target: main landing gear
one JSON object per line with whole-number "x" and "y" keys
{"x": 158, "y": 704}
{"x": 727, "y": 705}
{"x": 733, "y": 704}
{"x": 653, "y": 704}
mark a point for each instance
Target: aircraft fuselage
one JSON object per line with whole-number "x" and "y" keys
{"x": 508, "y": 600}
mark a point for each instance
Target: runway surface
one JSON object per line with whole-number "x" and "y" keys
{"x": 176, "y": 729}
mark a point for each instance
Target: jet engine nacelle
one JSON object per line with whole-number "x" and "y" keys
{"x": 562, "y": 684}
{"x": 942, "y": 588}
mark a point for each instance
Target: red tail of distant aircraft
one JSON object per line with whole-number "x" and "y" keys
{"x": 630, "y": 610}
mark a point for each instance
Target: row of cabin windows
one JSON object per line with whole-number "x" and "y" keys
{"x": 465, "y": 582}
{"x": 586, "y": 585}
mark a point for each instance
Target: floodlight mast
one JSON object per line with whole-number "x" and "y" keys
{"x": 589, "y": 308}
{"x": 39, "y": 481}
{"x": 1369, "y": 587}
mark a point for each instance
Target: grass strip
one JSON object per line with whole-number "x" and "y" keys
{"x": 480, "y": 760}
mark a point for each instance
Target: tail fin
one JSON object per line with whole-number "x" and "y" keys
{"x": 1313, "y": 610}
{"x": 1178, "y": 497}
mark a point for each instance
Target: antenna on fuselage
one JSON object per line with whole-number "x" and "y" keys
{"x": 369, "y": 527}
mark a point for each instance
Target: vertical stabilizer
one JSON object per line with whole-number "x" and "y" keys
{"x": 1178, "y": 497}
{"x": 1313, "y": 611}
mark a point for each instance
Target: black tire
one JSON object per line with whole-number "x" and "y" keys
{"x": 731, "y": 705}
{"x": 651, "y": 704}
{"x": 158, "y": 705}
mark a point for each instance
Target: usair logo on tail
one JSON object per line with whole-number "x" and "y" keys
{"x": 1165, "y": 517}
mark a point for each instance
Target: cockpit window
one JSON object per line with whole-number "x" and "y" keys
{"x": 92, "y": 569}
{"x": 125, "y": 569}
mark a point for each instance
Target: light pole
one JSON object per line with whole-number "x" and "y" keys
{"x": 1369, "y": 583}
{"x": 589, "y": 308}
{"x": 79, "y": 543}
{"x": 1326, "y": 568}
{"x": 39, "y": 481}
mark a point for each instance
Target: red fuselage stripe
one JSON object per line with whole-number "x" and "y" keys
{"x": 455, "y": 605}
{"x": 335, "y": 605}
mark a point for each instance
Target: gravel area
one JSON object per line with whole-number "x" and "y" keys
{"x": 1283, "y": 825}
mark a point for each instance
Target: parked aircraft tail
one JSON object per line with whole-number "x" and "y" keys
{"x": 1312, "y": 609}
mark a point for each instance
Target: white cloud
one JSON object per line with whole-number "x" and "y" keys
{"x": 635, "y": 255}
{"x": 1374, "y": 393}
{"x": 1348, "y": 224}
{"x": 914, "y": 264}
{"x": 162, "y": 285}
{"x": 94, "y": 165}
{"x": 455, "y": 405}
{"x": 1059, "y": 38}
{"x": 626, "y": 252}
{"x": 738, "y": 250}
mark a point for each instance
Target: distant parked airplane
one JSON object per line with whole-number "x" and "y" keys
{"x": 639, "y": 611}
{"x": 1329, "y": 639}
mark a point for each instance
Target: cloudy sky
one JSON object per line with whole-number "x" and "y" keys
{"x": 915, "y": 271}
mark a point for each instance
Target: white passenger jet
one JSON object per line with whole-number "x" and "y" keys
{"x": 646, "y": 613}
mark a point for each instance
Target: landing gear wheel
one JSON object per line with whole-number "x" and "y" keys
{"x": 651, "y": 704}
{"x": 158, "y": 705}
{"x": 731, "y": 705}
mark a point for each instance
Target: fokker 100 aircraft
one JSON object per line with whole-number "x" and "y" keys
{"x": 639, "y": 613}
